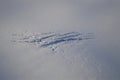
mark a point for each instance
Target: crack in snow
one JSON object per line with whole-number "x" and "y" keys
{"x": 50, "y": 39}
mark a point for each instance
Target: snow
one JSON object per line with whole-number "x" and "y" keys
{"x": 59, "y": 40}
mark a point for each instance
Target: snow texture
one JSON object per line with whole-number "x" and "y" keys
{"x": 52, "y": 39}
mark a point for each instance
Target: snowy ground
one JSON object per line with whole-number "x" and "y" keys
{"x": 59, "y": 40}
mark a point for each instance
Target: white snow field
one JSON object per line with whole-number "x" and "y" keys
{"x": 59, "y": 40}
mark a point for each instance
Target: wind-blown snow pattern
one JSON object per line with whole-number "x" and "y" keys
{"x": 53, "y": 39}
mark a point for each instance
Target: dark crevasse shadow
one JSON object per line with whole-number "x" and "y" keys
{"x": 53, "y": 39}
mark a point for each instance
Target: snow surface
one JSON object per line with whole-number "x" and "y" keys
{"x": 56, "y": 56}
{"x": 59, "y": 40}
{"x": 51, "y": 39}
